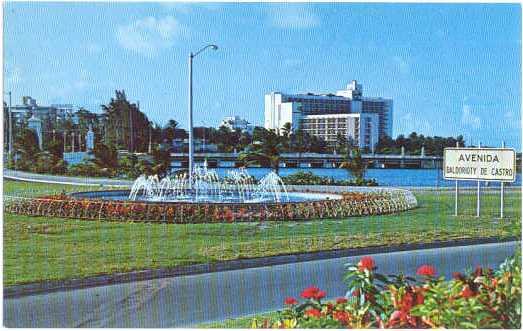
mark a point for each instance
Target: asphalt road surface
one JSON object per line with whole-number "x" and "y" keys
{"x": 190, "y": 300}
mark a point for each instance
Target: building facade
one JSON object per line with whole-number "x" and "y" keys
{"x": 237, "y": 123}
{"x": 348, "y": 112}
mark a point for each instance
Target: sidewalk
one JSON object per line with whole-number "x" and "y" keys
{"x": 85, "y": 181}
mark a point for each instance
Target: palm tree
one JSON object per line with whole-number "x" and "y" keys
{"x": 354, "y": 164}
{"x": 265, "y": 152}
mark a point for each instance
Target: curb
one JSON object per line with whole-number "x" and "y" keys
{"x": 133, "y": 276}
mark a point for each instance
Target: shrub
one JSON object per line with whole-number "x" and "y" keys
{"x": 308, "y": 178}
{"x": 482, "y": 299}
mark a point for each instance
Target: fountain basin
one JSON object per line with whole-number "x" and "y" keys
{"x": 224, "y": 198}
{"x": 115, "y": 206}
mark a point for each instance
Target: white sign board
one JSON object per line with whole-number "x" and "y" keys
{"x": 496, "y": 164}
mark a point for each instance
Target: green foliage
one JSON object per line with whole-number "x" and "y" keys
{"x": 105, "y": 157}
{"x": 26, "y": 149}
{"x": 414, "y": 142}
{"x": 56, "y": 148}
{"x": 126, "y": 126}
{"x": 265, "y": 151}
{"x": 161, "y": 162}
{"x": 483, "y": 299}
{"x": 354, "y": 164}
{"x": 49, "y": 163}
{"x": 309, "y": 178}
{"x": 89, "y": 169}
{"x": 302, "y": 142}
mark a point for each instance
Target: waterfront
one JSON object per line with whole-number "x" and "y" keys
{"x": 385, "y": 177}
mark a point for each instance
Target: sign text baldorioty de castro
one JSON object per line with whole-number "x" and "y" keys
{"x": 497, "y": 164}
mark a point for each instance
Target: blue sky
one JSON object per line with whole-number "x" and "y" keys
{"x": 451, "y": 69}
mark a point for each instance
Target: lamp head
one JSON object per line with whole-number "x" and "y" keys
{"x": 214, "y": 47}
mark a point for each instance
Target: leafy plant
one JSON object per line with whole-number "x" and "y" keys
{"x": 481, "y": 299}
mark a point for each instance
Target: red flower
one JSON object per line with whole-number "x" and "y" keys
{"x": 312, "y": 312}
{"x": 341, "y": 316}
{"x": 341, "y": 300}
{"x": 313, "y": 293}
{"x": 290, "y": 301}
{"x": 356, "y": 293}
{"x": 467, "y": 292}
{"x": 367, "y": 263}
{"x": 426, "y": 270}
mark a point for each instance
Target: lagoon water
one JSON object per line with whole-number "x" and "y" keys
{"x": 385, "y": 177}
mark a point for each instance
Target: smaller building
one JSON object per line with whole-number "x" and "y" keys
{"x": 200, "y": 146}
{"x": 237, "y": 123}
{"x": 361, "y": 128}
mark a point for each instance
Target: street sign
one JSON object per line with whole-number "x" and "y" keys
{"x": 487, "y": 164}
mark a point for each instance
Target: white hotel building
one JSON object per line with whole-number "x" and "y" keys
{"x": 364, "y": 119}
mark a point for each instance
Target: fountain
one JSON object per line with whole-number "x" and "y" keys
{"x": 238, "y": 187}
{"x": 236, "y": 197}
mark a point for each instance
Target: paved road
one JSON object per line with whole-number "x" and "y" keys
{"x": 85, "y": 181}
{"x": 189, "y": 300}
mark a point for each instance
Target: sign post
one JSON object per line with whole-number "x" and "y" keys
{"x": 456, "y": 191}
{"x": 479, "y": 164}
{"x": 502, "y": 191}
{"x": 478, "y": 199}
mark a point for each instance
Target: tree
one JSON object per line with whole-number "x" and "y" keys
{"x": 355, "y": 165}
{"x": 265, "y": 151}
{"x": 26, "y": 147}
{"x": 161, "y": 162}
{"x": 126, "y": 126}
{"x": 169, "y": 131}
{"x": 56, "y": 148}
{"x": 105, "y": 156}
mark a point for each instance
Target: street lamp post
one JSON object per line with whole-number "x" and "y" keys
{"x": 191, "y": 146}
{"x": 10, "y": 129}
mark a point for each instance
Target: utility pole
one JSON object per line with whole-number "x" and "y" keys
{"x": 150, "y": 149}
{"x": 10, "y": 128}
{"x": 131, "y": 147}
{"x": 190, "y": 103}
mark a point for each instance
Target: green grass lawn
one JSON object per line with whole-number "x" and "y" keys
{"x": 38, "y": 248}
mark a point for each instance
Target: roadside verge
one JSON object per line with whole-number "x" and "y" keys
{"x": 116, "y": 278}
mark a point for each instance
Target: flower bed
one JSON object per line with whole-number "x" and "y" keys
{"x": 482, "y": 299}
{"x": 350, "y": 204}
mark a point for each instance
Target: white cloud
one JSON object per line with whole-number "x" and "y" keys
{"x": 150, "y": 35}
{"x": 468, "y": 118}
{"x": 293, "y": 17}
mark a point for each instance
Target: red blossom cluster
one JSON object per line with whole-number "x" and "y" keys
{"x": 313, "y": 293}
{"x": 396, "y": 304}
